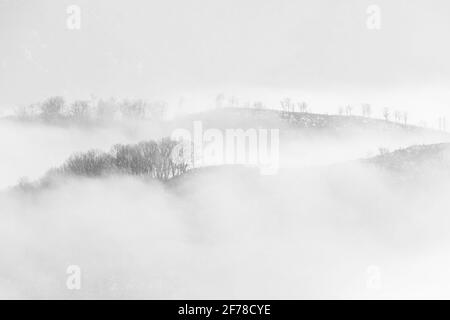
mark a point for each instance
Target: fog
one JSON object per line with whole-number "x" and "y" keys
{"x": 342, "y": 231}
{"x": 315, "y": 50}
{"x": 327, "y": 224}
{"x": 31, "y": 148}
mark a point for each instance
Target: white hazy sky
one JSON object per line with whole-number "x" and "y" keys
{"x": 317, "y": 50}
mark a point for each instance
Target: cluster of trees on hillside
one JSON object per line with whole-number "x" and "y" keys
{"x": 153, "y": 159}
{"x": 57, "y": 109}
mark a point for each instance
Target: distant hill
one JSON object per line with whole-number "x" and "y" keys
{"x": 415, "y": 159}
{"x": 245, "y": 118}
{"x": 426, "y": 161}
{"x": 318, "y": 139}
{"x": 308, "y": 139}
{"x": 306, "y": 126}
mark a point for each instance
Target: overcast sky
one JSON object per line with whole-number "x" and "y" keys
{"x": 319, "y": 50}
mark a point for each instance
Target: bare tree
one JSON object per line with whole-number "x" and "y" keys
{"x": 286, "y": 105}
{"x": 383, "y": 151}
{"x": 91, "y": 163}
{"x": 348, "y": 110}
{"x": 133, "y": 109}
{"x": 180, "y": 103}
{"x": 386, "y": 114}
{"x": 302, "y": 106}
{"x": 165, "y": 166}
{"x": 366, "y": 110}
{"x": 52, "y": 108}
{"x": 220, "y": 99}
{"x": 405, "y": 117}
{"x": 106, "y": 109}
{"x": 79, "y": 110}
{"x": 27, "y": 112}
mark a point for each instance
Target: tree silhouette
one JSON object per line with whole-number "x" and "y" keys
{"x": 386, "y": 114}
{"x": 147, "y": 158}
{"x": 52, "y": 108}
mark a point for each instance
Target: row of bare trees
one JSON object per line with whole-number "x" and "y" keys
{"x": 366, "y": 111}
{"x": 398, "y": 116}
{"x": 233, "y": 102}
{"x": 153, "y": 159}
{"x": 287, "y": 105}
{"x": 56, "y": 109}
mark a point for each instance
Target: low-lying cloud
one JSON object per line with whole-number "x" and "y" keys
{"x": 229, "y": 233}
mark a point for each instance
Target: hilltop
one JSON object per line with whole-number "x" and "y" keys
{"x": 415, "y": 159}
{"x": 245, "y": 118}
